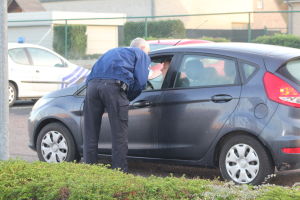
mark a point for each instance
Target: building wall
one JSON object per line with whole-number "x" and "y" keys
{"x": 295, "y": 17}
{"x": 274, "y": 21}
{"x": 37, "y": 28}
{"x": 129, "y": 7}
{"x": 169, "y": 7}
{"x": 101, "y": 38}
{"x": 184, "y": 7}
{"x": 164, "y": 7}
{"x": 236, "y": 21}
{"x": 41, "y": 35}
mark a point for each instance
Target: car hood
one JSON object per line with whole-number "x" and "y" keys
{"x": 65, "y": 92}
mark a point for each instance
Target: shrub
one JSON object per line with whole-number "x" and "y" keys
{"x": 38, "y": 180}
{"x": 76, "y": 40}
{"x": 215, "y": 39}
{"x": 91, "y": 56}
{"x": 155, "y": 29}
{"x": 279, "y": 39}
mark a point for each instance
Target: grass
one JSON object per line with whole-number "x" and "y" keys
{"x": 38, "y": 180}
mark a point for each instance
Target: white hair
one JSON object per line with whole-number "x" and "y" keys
{"x": 138, "y": 42}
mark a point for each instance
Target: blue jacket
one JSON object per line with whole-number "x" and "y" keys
{"x": 129, "y": 65}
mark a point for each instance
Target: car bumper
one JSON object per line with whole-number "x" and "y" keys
{"x": 283, "y": 131}
{"x": 31, "y": 131}
{"x": 286, "y": 161}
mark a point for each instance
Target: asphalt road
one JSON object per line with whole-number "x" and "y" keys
{"x": 18, "y": 134}
{"x": 18, "y": 148}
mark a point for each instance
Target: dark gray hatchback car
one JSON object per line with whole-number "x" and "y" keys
{"x": 234, "y": 106}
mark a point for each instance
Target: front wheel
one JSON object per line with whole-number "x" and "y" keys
{"x": 55, "y": 144}
{"x": 245, "y": 161}
{"x": 12, "y": 94}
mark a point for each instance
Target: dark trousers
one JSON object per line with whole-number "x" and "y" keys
{"x": 105, "y": 95}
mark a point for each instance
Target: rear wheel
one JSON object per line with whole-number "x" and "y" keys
{"x": 244, "y": 160}
{"x": 55, "y": 144}
{"x": 12, "y": 94}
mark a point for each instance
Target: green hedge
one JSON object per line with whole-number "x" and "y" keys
{"x": 76, "y": 40}
{"x": 38, "y": 180}
{"x": 279, "y": 39}
{"x": 215, "y": 39}
{"x": 155, "y": 29}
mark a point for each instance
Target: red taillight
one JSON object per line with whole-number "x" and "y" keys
{"x": 280, "y": 91}
{"x": 290, "y": 150}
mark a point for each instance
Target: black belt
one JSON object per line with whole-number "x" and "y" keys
{"x": 123, "y": 86}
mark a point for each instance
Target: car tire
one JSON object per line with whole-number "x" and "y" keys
{"x": 55, "y": 144}
{"x": 12, "y": 94}
{"x": 244, "y": 160}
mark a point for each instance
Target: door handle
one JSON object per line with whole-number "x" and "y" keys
{"x": 141, "y": 104}
{"x": 221, "y": 98}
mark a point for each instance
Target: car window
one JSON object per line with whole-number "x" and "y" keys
{"x": 203, "y": 71}
{"x": 158, "y": 71}
{"x": 291, "y": 71}
{"x": 248, "y": 70}
{"x": 19, "y": 56}
{"x": 42, "y": 57}
{"x": 82, "y": 92}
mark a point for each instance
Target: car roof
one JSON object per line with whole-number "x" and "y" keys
{"x": 18, "y": 45}
{"x": 12, "y": 45}
{"x": 271, "y": 56}
{"x": 279, "y": 54}
{"x": 177, "y": 41}
{"x": 246, "y": 48}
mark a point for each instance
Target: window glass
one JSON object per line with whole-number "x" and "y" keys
{"x": 158, "y": 71}
{"x": 82, "y": 92}
{"x": 291, "y": 71}
{"x": 248, "y": 70}
{"x": 202, "y": 71}
{"x": 19, "y": 56}
{"x": 42, "y": 57}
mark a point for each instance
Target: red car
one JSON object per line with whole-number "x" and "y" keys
{"x": 158, "y": 44}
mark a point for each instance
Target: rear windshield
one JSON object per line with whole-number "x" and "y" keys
{"x": 291, "y": 71}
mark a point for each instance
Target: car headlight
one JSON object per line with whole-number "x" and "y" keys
{"x": 41, "y": 102}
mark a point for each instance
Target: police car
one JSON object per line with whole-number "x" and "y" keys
{"x": 35, "y": 71}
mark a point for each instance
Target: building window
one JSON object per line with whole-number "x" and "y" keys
{"x": 260, "y": 4}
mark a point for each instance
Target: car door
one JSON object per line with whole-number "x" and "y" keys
{"x": 142, "y": 125}
{"x": 143, "y": 119}
{"x": 49, "y": 70}
{"x": 204, "y": 94}
{"x": 21, "y": 71}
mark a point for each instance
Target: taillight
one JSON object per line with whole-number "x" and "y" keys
{"x": 280, "y": 91}
{"x": 290, "y": 150}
